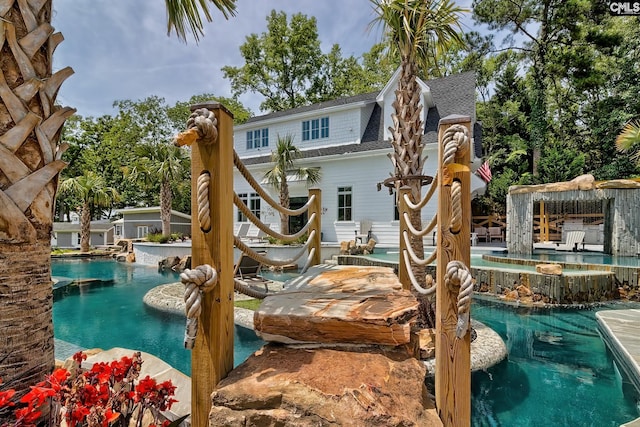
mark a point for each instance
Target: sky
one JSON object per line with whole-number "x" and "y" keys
{"x": 119, "y": 49}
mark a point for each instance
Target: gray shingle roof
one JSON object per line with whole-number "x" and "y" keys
{"x": 453, "y": 94}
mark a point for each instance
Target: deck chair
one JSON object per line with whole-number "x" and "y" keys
{"x": 495, "y": 233}
{"x": 243, "y": 229}
{"x": 574, "y": 239}
{"x": 248, "y": 269}
{"x": 482, "y": 233}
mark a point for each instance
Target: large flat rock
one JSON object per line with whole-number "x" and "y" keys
{"x": 339, "y": 304}
{"x": 287, "y": 386}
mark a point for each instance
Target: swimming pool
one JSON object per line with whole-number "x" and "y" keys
{"x": 558, "y": 372}
{"x": 110, "y": 313}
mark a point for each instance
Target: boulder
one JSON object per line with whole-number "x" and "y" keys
{"x": 511, "y": 295}
{"x": 168, "y": 263}
{"x": 523, "y": 291}
{"x": 339, "y": 304}
{"x": 285, "y": 386}
{"x": 131, "y": 257}
{"x": 554, "y": 269}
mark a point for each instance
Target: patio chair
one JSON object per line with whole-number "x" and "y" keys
{"x": 255, "y": 233}
{"x": 243, "y": 229}
{"x": 482, "y": 232}
{"x": 574, "y": 238}
{"x": 495, "y": 233}
{"x": 248, "y": 270}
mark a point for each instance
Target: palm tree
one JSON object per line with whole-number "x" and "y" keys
{"x": 629, "y": 140}
{"x": 30, "y": 123}
{"x": 91, "y": 191}
{"x": 284, "y": 158}
{"x": 161, "y": 163}
{"x": 417, "y": 30}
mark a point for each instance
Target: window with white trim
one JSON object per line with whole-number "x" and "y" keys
{"x": 315, "y": 129}
{"x": 257, "y": 138}
{"x": 344, "y": 204}
{"x": 252, "y": 201}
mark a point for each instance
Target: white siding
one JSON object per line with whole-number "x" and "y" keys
{"x": 359, "y": 171}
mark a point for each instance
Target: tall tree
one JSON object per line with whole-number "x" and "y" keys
{"x": 92, "y": 193}
{"x": 284, "y": 164}
{"x": 418, "y": 31}
{"x": 30, "y": 162}
{"x": 163, "y": 163}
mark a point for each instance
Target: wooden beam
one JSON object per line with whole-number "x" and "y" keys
{"x": 212, "y": 355}
{"x": 453, "y": 356}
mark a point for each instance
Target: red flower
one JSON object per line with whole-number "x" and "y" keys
{"x": 79, "y": 357}
{"x": 27, "y": 415}
{"x": 5, "y": 398}
{"x": 38, "y": 395}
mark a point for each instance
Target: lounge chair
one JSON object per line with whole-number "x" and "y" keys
{"x": 248, "y": 270}
{"x": 482, "y": 233}
{"x": 574, "y": 239}
{"x": 243, "y": 229}
{"x": 495, "y": 233}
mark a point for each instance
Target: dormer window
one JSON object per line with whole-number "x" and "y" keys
{"x": 315, "y": 129}
{"x": 257, "y": 138}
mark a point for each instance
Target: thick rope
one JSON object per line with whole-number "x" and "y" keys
{"x": 413, "y": 255}
{"x": 458, "y": 279}
{"x": 254, "y": 184}
{"x": 412, "y": 278}
{"x": 244, "y": 288}
{"x": 262, "y": 226}
{"x": 205, "y": 122}
{"x": 197, "y": 281}
{"x": 415, "y": 231}
{"x": 204, "y": 211}
{"x": 264, "y": 260}
{"x": 425, "y": 199}
{"x": 307, "y": 264}
{"x": 456, "y": 142}
{"x": 456, "y": 207}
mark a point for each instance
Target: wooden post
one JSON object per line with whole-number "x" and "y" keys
{"x": 453, "y": 356}
{"x": 316, "y": 207}
{"x": 212, "y": 355}
{"x": 403, "y": 274}
{"x": 544, "y": 223}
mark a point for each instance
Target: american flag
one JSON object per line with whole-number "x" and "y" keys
{"x": 484, "y": 172}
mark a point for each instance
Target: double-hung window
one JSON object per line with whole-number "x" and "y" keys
{"x": 257, "y": 138}
{"x": 252, "y": 201}
{"x": 315, "y": 129}
{"x": 344, "y": 204}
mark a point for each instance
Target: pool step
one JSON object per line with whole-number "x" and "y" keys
{"x": 619, "y": 330}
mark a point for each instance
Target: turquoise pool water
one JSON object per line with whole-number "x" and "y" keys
{"x": 110, "y": 313}
{"x": 558, "y": 372}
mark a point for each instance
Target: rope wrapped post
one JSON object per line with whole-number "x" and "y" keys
{"x": 316, "y": 208}
{"x": 196, "y": 282}
{"x": 212, "y": 159}
{"x": 453, "y": 343}
{"x": 403, "y": 274}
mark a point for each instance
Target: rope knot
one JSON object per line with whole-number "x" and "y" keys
{"x": 205, "y": 123}
{"x": 456, "y": 143}
{"x": 197, "y": 281}
{"x": 458, "y": 279}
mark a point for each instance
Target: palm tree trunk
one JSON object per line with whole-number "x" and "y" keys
{"x": 29, "y": 166}
{"x": 284, "y": 202}
{"x": 165, "y": 206}
{"x": 85, "y": 227}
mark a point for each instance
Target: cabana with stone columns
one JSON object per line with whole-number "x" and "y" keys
{"x": 619, "y": 200}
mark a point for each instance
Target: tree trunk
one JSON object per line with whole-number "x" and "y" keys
{"x": 284, "y": 202}
{"x": 85, "y": 227}
{"x": 165, "y": 207}
{"x": 29, "y": 165}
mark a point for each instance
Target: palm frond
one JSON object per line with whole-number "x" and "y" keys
{"x": 183, "y": 15}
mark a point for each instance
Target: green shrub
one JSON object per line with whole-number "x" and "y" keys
{"x": 157, "y": 238}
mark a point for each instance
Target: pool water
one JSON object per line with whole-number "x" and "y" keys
{"x": 558, "y": 372}
{"x": 110, "y": 313}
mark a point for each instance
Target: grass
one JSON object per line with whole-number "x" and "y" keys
{"x": 250, "y": 304}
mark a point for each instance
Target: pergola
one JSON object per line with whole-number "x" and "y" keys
{"x": 620, "y": 201}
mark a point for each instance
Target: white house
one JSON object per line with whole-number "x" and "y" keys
{"x": 348, "y": 139}
{"x": 136, "y": 223}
